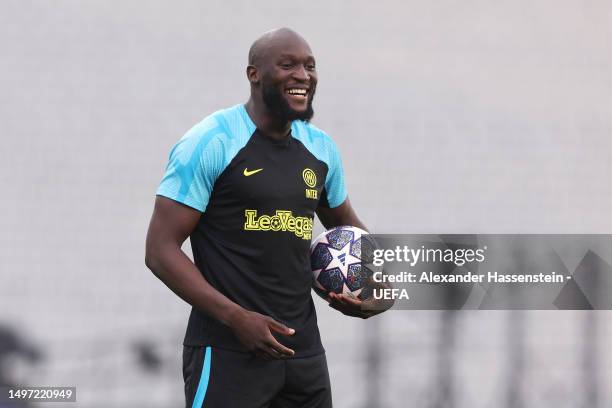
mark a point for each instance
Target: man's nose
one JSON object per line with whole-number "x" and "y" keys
{"x": 301, "y": 73}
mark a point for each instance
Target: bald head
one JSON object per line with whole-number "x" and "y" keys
{"x": 273, "y": 40}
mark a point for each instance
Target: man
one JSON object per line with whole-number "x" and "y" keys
{"x": 252, "y": 339}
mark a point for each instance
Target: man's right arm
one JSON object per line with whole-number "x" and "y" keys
{"x": 171, "y": 224}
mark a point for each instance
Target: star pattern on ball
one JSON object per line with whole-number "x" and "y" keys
{"x": 342, "y": 258}
{"x": 335, "y": 265}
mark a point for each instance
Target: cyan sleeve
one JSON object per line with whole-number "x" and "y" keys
{"x": 334, "y": 183}
{"x": 194, "y": 165}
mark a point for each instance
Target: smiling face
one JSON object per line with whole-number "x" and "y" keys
{"x": 287, "y": 77}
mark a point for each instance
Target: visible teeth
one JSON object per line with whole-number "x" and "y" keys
{"x": 297, "y": 92}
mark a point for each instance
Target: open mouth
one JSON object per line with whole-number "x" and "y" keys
{"x": 297, "y": 92}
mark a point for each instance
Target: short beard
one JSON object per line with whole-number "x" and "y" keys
{"x": 276, "y": 103}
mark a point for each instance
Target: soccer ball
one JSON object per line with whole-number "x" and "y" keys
{"x": 336, "y": 262}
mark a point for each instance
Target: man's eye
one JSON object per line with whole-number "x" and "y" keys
{"x": 310, "y": 67}
{"x": 286, "y": 65}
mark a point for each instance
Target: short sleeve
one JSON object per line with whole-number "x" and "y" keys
{"x": 194, "y": 164}
{"x": 335, "y": 188}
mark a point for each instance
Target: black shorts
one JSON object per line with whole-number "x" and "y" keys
{"x": 216, "y": 377}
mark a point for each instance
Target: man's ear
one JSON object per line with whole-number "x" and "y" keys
{"x": 252, "y": 74}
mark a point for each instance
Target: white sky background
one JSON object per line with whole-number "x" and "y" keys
{"x": 464, "y": 117}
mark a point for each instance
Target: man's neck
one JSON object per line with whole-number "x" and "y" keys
{"x": 267, "y": 122}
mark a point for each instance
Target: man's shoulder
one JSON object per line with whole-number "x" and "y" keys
{"x": 316, "y": 140}
{"x": 228, "y": 124}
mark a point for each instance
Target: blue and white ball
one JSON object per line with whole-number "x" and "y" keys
{"x": 336, "y": 262}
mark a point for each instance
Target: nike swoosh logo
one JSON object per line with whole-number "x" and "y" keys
{"x": 248, "y": 173}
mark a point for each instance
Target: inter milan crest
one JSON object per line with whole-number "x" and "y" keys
{"x": 310, "y": 178}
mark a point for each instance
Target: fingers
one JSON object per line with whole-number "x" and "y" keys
{"x": 351, "y": 301}
{"x": 281, "y": 350}
{"x": 273, "y": 350}
{"x": 279, "y": 327}
{"x": 349, "y": 305}
{"x": 346, "y": 300}
{"x": 337, "y": 302}
{"x": 268, "y": 353}
{"x": 267, "y": 347}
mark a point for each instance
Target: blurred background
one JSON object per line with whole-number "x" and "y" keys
{"x": 452, "y": 117}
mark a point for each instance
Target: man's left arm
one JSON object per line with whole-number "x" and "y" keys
{"x": 344, "y": 214}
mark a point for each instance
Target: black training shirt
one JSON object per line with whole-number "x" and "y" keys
{"x": 257, "y": 197}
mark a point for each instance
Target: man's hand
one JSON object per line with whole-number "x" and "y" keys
{"x": 355, "y": 307}
{"x": 254, "y": 331}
